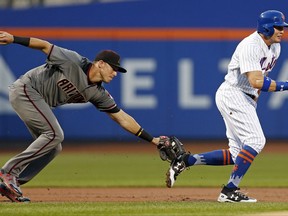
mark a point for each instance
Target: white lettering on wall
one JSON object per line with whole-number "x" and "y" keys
{"x": 186, "y": 96}
{"x": 223, "y": 65}
{"x": 132, "y": 82}
{"x": 7, "y": 78}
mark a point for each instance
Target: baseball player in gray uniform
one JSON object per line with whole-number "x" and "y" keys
{"x": 236, "y": 99}
{"x": 66, "y": 77}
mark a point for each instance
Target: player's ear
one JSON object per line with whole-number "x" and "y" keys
{"x": 99, "y": 63}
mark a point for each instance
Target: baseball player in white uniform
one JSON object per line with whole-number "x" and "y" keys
{"x": 236, "y": 99}
{"x": 66, "y": 77}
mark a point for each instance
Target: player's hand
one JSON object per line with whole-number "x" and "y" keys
{"x": 6, "y": 38}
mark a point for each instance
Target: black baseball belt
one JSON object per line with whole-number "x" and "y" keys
{"x": 251, "y": 96}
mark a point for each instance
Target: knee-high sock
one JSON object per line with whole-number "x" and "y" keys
{"x": 242, "y": 164}
{"x": 217, "y": 158}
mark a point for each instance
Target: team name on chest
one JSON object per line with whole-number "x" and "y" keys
{"x": 267, "y": 65}
{"x": 73, "y": 94}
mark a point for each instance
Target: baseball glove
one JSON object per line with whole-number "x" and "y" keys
{"x": 170, "y": 148}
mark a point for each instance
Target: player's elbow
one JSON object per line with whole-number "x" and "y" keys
{"x": 255, "y": 79}
{"x": 256, "y": 83}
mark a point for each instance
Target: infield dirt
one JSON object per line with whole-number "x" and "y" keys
{"x": 149, "y": 194}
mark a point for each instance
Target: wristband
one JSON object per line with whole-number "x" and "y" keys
{"x": 266, "y": 84}
{"x": 139, "y": 132}
{"x": 281, "y": 86}
{"x": 144, "y": 135}
{"x": 25, "y": 41}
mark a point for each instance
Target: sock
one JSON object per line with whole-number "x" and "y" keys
{"x": 216, "y": 158}
{"x": 242, "y": 164}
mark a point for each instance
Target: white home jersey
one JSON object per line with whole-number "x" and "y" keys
{"x": 251, "y": 54}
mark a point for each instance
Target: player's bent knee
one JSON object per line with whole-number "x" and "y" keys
{"x": 59, "y": 137}
{"x": 259, "y": 145}
{"x": 58, "y": 148}
{"x": 56, "y": 136}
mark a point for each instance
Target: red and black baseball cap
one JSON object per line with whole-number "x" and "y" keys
{"x": 112, "y": 58}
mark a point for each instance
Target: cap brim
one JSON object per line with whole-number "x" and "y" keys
{"x": 284, "y": 24}
{"x": 119, "y": 68}
{"x": 122, "y": 70}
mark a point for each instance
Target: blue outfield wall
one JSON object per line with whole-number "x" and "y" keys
{"x": 170, "y": 84}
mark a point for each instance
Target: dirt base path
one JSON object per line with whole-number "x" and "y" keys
{"x": 143, "y": 194}
{"x": 149, "y": 194}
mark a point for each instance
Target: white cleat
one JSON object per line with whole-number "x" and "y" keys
{"x": 176, "y": 167}
{"x": 234, "y": 196}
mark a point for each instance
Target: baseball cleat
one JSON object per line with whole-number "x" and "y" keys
{"x": 176, "y": 167}
{"x": 234, "y": 196}
{"x": 11, "y": 183}
{"x": 5, "y": 191}
{"x": 23, "y": 199}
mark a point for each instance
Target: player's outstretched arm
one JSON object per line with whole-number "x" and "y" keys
{"x": 35, "y": 43}
{"x": 128, "y": 123}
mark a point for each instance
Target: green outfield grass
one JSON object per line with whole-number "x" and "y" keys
{"x": 140, "y": 208}
{"x": 143, "y": 170}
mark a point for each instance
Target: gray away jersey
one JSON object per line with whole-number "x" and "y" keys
{"x": 63, "y": 80}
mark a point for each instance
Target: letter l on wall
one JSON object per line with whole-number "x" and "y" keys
{"x": 187, "y": 98}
